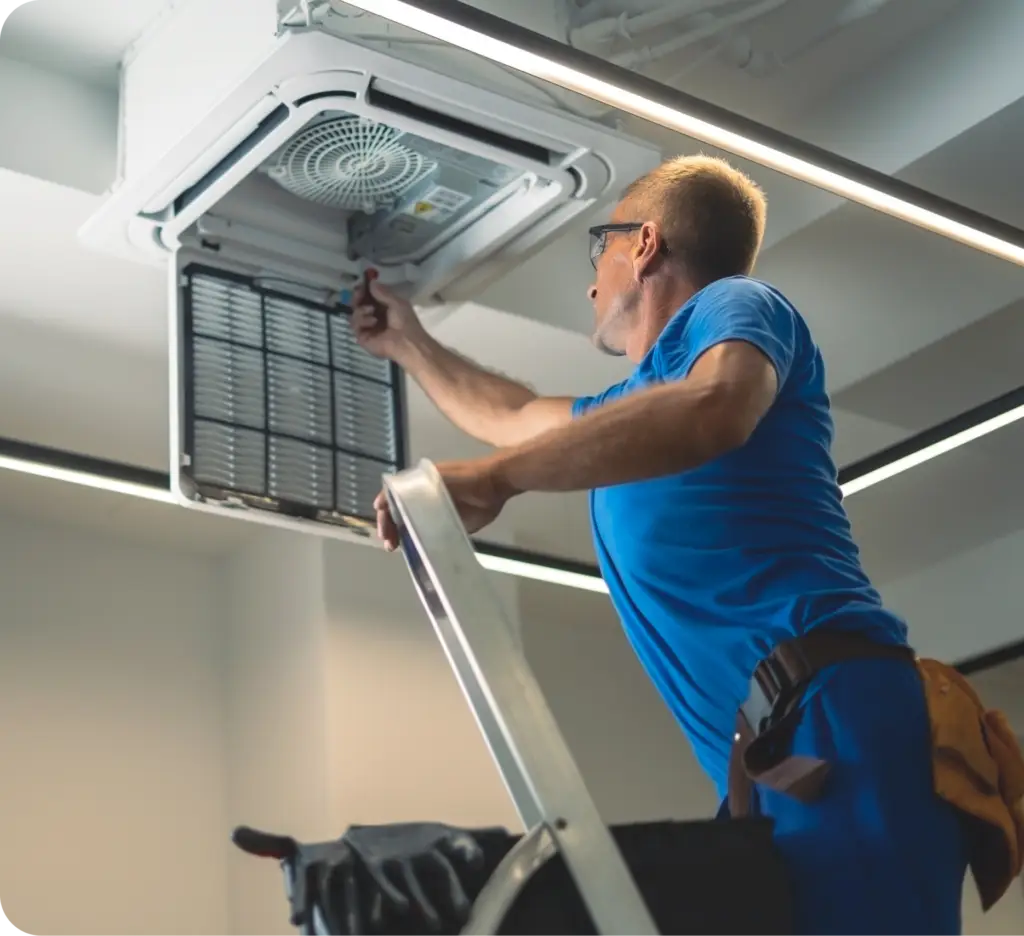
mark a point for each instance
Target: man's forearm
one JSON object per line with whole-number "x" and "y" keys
{"x": 480, "y": 403}
{"x": 661, "y": 431}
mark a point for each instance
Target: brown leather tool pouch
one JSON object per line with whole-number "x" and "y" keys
{"x": 979, "y": 769}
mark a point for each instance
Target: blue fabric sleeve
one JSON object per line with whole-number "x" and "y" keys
{"x": 736, "y": 309}
{"x": 585, "y": 403}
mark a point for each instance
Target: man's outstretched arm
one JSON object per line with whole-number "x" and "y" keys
{"x": 663, "y": 430}
{"x": 487, "y": 406}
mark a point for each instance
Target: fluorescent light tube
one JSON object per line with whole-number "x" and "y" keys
{"x": 86, "y": 479}
{"x": 522, "y": 567}
{"x": 932, "y": 451}
{"x": 542, "y": 573}
{"x": 545, "y": 68}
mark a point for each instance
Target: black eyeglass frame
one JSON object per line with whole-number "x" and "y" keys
{"x": 599, "y": 237}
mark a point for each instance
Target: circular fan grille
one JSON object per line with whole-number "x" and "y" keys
{"x": 350, "y": 162}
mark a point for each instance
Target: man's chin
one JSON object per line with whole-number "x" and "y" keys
{"x": 599, "y": 343}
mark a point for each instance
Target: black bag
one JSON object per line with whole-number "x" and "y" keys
{"x": 715, "y": 876}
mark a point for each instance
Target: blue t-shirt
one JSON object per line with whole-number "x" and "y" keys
{"x": 710, "y": 568}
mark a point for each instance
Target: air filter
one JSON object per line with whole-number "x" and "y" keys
{"x": 282, "y": 406}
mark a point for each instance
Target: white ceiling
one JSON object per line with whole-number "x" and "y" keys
{"x": 913, "y": 328}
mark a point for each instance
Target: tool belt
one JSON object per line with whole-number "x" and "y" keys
{"x": 766, "y": 722}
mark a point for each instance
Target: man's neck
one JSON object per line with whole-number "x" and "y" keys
{"x": 661, "y": 300}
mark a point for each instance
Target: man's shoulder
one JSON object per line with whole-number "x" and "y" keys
{"x": 745, "y": 287}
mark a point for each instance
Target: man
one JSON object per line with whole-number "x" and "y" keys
{"x": 720, "y": 530}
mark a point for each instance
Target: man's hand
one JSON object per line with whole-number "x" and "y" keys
{"x": 385, "y": 325}
{"x": 475, "y": 488}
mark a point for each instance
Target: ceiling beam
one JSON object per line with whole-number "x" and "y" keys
{"x": 914, "y": 102}
{"x": 57, "y": 129}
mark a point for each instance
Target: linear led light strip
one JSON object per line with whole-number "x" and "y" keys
{"x": 521, "y": 567}
{"x": 899, "y": 465}
{"x": 85, "y": 479}
{"x": 542, "y": 573}
{"x": 547, "y": 69}
{"x": 503, "y": 564}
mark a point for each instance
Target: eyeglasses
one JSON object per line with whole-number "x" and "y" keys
{"x": 599, "y": 237}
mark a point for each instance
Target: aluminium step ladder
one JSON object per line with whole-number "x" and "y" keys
{"x": 566, "y": 845}
{"x": 531, "y": 755}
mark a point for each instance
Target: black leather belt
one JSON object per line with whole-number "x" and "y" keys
{"x": 766, "y": 721}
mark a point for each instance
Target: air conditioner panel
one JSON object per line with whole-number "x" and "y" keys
{"x": 234, "y": 168}
{"x": 278, "y": 413}
{"x": 421, "y": 234}
{"x": 213, "y": 157}
{"x": 464, "y": 123}
{"x": 242, "y": 131}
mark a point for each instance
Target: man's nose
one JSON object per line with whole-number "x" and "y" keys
{"x": 592, "y": 292}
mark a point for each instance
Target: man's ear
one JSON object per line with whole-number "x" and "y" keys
{"x": 648, "y": 247}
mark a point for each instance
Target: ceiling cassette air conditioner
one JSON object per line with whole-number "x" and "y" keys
{"x": 269, "y": 167}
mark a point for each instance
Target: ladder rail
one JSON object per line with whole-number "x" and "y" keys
{"x": 530, "y": 752}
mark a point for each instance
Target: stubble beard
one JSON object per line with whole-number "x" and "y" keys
{"x": 617, "y": 319}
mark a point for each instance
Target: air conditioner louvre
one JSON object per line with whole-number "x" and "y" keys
{"x": 404, "y": 107}
{"x": 265, "y": 128}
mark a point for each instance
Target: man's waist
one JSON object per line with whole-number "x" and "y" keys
{"x": 786, "y": 672}
{"x": 767, "y": 719}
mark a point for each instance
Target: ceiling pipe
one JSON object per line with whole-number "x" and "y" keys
{"x": 582, "y": 12}
{"x": 630, "y": 25}
{"x": 859, "y": 9}
{"x": 714, "y": 27}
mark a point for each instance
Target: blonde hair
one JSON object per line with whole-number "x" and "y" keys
{"x": 711, "y": 215}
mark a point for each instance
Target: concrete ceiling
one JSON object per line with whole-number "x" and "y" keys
{"x": 959, "y": 502}
{"x": 914, "y": 328}
{"x": 797, "y": 40}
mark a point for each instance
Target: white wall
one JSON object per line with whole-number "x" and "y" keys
{"x": 1006, "y": 918}
{"x": 941, "y": 602}
{"x": 150, "y": 701}
{"x": 111, "y": 736}
{"x": 403, "y": 742}
{"x": 634, "y": 757}
{"x": 276, "y": 744}
{"x": 341, "y": 708}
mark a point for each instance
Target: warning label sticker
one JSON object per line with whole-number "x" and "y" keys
{"x": 437, "y": 204}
